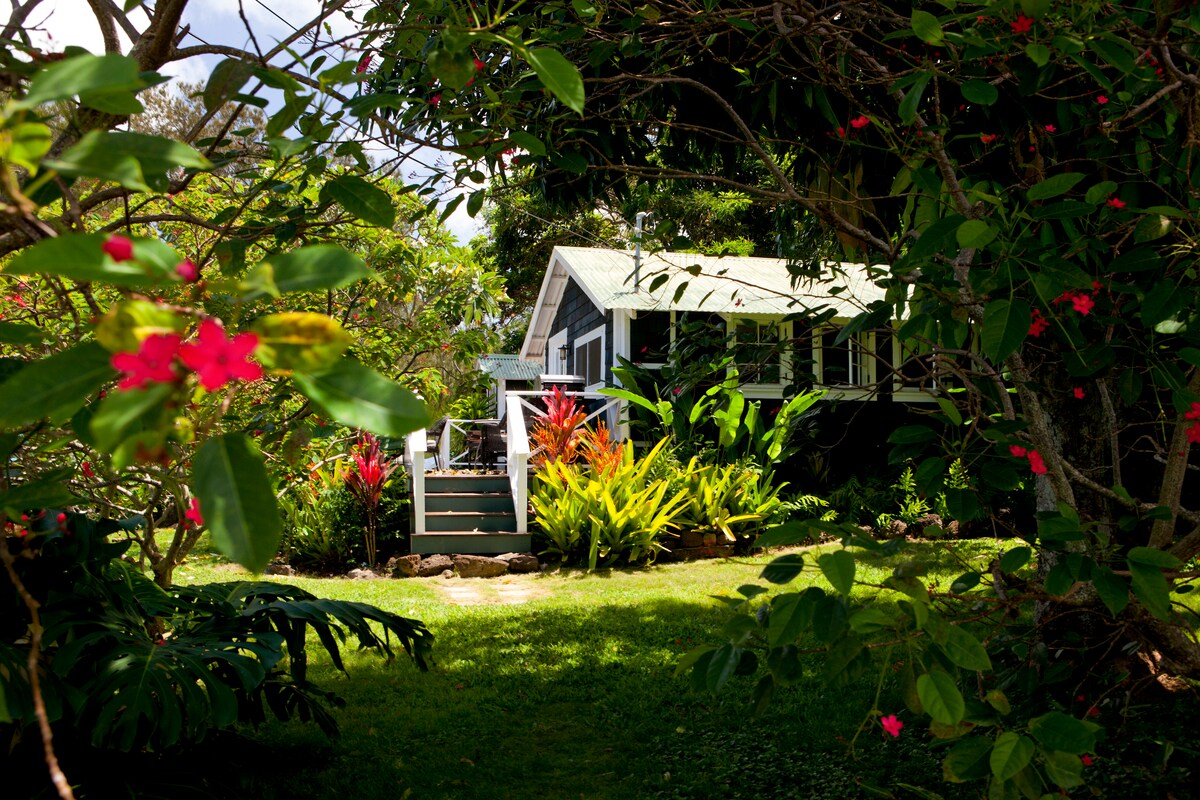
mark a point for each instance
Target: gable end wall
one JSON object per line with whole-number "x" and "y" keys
{"x": 579, "y": 315}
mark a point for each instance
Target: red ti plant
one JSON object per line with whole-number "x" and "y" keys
{"x": 366, "y": 480}
{"x": 555, "y": 433}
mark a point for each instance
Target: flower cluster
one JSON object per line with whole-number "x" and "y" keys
{"x": 216, "y": 358}
{"x": 1193, "y": 432}
{"x": 1080, "y": 301}
{"x": 1036, "y": 464}
{"x": 1038, "y": 324}
{"x": 120, "y": 248}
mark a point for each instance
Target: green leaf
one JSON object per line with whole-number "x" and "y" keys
{"x": 912, "y": 434}
{"x": 49, "y": 490}
{"x": 362, "y": 199}
{"x": 980, "y": 92}
{"x": 1059, "y": 731}
{"x": 237, "y": 500}
{"x": 783, "y": 569}
{"x": 121, "y": 411}
{"x": 300, "y": 340}
{"x": 791, "y": 615}
{"x": 93, "y": 77}
{"x": 941, "y": 698}
{"x": 135, "y": 160}
{"x": 975, "y": 233}
{"x": 1054, "y": 186}
{"x": 19, "y": 333}
{"x": 25, "y": 144}
{"x": 528, "y": 142}
{"x": 967, "y": 760}
{"x": 1010, "y": 755}
{"x": 927, "y": 28}
{"x": 359, "y": 397}
{"x": 226, "y": 80}
{"x": 318, "y": 266}
{"x": 912, "y": 99}
{"x": 454, "y": 68}
{"x": 1113, "y": 589}
{"x": 79, "y": 257}
{"x": 1064, "y": 769}
{"x": 1038, "y": 53}
{"x": 475, "y": 203}
{"x": 790, "y": 532}
{"x": 1153, "y": 557}
{"x": 965, "y": 651}
{"x": 1151, "y": 589}
{"x": 1005, "y": 325}
{"x": 721, "y": 666}
{"x": 965, "y": 582}
{"x": 1100, "y": 192}
{"x": 838, "y": 568}
{"x": 55, "y": 385}
{"x": 559, "y": 75}
{"x": 1016, "y": 558}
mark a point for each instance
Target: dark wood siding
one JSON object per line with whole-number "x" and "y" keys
{"x": 579, "y": 315}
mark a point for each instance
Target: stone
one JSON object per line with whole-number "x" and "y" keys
{"x": 403, "y": 566}
{"x": 279, "y": 569}
{"x": 447, "y": 574}
{"x": 520, "y": 562}
{"x": 362, "y": 574}
{"x": 479, "y": 566}
{"x": 433, "y": 565}
{"x": 691, "y": 539}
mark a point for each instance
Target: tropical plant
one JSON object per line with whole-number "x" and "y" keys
{"x": 366, "y": 479}
{"x": 555, "y": 433}
{"x": 602, "y": 453}
{"x": 712, "y": 493}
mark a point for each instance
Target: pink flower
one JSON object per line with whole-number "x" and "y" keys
{"x": 1116, "y": 202}
{"x": 677, "y": 390}
{"x": 1079, "y": 393}
{"x": 1102, "y": 99}
{"x": 187, "y": 270}
{"x": 86, "y": 469}
{"x": 193, "y": 514}
{"x": 988, "y": 138}
{"x": 433, "y": 101}
{"x": 1050, "y": 129}
{"x": 118, "y": 247}
{"x": 891, "y": 725}
{"x": 1036, "y": 465}
{"x": 1038, "y": 324}
{"x": 860, "y": 122}
{"x": 1017, "y": 450}
{"x": 1022, "y": 24}
{"x": 152, "y": 363}
{"x": 218, "y": 359}
{"x": 1083, "y": 303}
{"x": 363, "y": 65}
{"x": 479, "y": 65}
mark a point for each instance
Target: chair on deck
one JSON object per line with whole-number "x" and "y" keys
{"x": 433, "y": 441}
{"x": 492, "y": 444}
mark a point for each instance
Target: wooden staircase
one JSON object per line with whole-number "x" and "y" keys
{"x": 468, "y": 513}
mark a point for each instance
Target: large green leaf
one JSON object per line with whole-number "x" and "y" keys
{"x": 121, "y": 411}
{"x": 791, "y": 615}
{"x": 360, "y": 397}
{"x": 941, "y": 697}
{"x": 226, "y": 80}
{"x": 307, "y": 269}
{"x": 237, "y": 500}
{"x": 1005, "y": 325}
{"x": 975, "y": 233}
{"x": 965, "y": 650}
{"x": 300, "y": 340}
{"x": 135, "y": 160}
{"x": 50, "y": 489}
{"x": 1113, "y": 589}
{"x": 838, "y": 568}
{"x": 79, "y": 257}
{"x": 783, "y": 569}
{"x": 55, "y": 385}
{"x": 1151, "y": 589}
{"x": 927, "y": 28}
{"x": 912, "y": 99}
{"x": 362, "y": 199}
{"x": 101, "y": 82}
{"x": 1010, "y": 754}
{"x": 1059, "y": 731}
{"x": 967, "y": 760}
{"x": 559, "y": 75}
{"x": 980, "y": 92}
{"x": 1054, "y": 186}
{"x": 1153, "y": 557}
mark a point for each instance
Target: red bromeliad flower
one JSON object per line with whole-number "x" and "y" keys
{"x": 892, "y": 725}
{"x": 218, "y": 359}
{"x": 193, "y": 515}
{"x": 152, "y": 363}
{"x": 1022, "y": 24}
{"x": 118, "y": 247}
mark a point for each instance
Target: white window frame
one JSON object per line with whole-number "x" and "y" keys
{"x": 581, "y": 341}
{"x": 554, "y": 362}
{"x": 784, "y": 327}
{"x": 861, "y": 380}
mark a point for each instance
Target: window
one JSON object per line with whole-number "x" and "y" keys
{"x": 589, "y": 358}
{"x": 758, "y": 351}
{"x": 844, "y": 363}
{"x": 650, "y": 338}
{"x": 555, "y": 363}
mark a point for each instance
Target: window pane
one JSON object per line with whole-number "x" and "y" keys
{"x": 594, "y": 365}
{"x": 650, "y": 336}
{"x": 836, "y": 360}
{"x": 580, "y": 365}
{"x": 758, "y": 352}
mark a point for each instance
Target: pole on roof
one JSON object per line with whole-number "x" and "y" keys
{"x": 637, "y": 247}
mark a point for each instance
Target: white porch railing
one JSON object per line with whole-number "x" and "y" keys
{"x": 414, "y": 461}
{"x": 517, "y": 460}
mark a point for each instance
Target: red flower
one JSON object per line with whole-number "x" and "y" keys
{"x": 1083, "y": 303}
{"x": 479, "y": 65}
{"x": 1022, "y": 24}
{"x": 1017, "y": 450}
{"x": 364, "y": 64}
{"x": 1036, "y": 465}
{"x": 987, "y": 138}
{"x": 1093, "y": 712}
{"x": 152, "y": 363}
{"x": 433, "y": 101}
{"x": 1116, "y": 202}
{"x": 1087, "y": 760}
{"x": 841, "y": 132}
{"x": 1193, "y": 434}
{"x": 218, "y": 359}
{"x": 187, "y": 270}
{"x": 1194, "y": 413}
{"x": 1038, "y": 325}
{"x": 86, "y": 469}
{"x": 193, "y": 514}
{"x": 118, "y": 247}
{"x": 1102, "y": 99}
{"x": 1079, "y": 393}
{"x": 860, "y": 122}
{"x": 1050, "y": 129}
{"x": 891, "y": 725}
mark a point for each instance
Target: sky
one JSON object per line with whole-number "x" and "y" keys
{"x": 56, "y": 24}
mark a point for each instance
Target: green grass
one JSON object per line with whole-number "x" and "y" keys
{"x": 569, "y": 694}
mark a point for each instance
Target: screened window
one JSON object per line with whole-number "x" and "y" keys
{"x": 758, "y": 351}
{"x": 843, "y": 363}
{"x": 589, "y": 357}
{"x": 650, "y": 337}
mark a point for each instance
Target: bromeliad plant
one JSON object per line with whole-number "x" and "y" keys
{"x": 367, "y": 478}
{"x": 555, "y": 433}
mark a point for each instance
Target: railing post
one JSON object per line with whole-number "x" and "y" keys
{"x": 444, "y": 446}
{"x": 414, "y": 459}
{"x": 517, "y": 460}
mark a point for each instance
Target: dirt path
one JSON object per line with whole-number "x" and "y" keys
{"x": 484, "y": 592}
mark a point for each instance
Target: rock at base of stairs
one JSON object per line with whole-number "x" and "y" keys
{"x": 403, "y": 566}
{"x": 434, "y": 565}
{"x": 479, "y": 566}
{"x": 362, "y": 575}
{"x": 520, "y": 562}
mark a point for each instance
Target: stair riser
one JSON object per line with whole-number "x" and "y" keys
{"x": 470, "y": 522}
{"x": 455, "y": 502}
{"x": 466, "y": 483}
{"x": 476, "y": 544}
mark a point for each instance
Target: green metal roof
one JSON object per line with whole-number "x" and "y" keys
{"x": 499, "y": 366}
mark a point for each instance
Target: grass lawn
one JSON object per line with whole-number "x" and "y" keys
{"x": 562, "y": 685}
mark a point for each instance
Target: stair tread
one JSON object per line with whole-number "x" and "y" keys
{"x": 468, "y": 494}
{"x": 470, "y": 513}
{"x": 467, "y": 533}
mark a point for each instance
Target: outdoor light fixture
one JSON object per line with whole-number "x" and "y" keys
{"x": 563, "y": 352}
